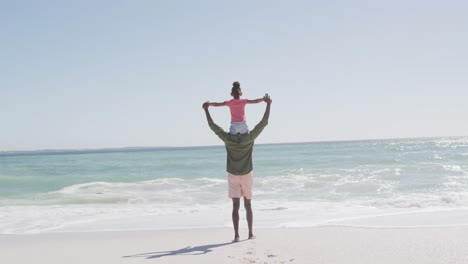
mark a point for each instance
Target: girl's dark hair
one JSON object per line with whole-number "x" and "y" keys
{"x": 235, "y": 88}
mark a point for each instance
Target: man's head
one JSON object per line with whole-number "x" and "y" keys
{"x": 236, "y": 91}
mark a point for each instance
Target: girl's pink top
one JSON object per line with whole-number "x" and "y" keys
{"x": 237, "y": 107}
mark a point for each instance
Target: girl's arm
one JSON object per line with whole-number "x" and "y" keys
{"x": 217, "y": 104}
{"x": 256, "y": 101}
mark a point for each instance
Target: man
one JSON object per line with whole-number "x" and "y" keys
{"x": 239, "y": 148}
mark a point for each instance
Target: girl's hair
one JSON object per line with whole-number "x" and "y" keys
{"x": 235, "y": 88}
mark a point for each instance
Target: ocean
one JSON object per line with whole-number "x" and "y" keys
{"x": 297, "y": 184}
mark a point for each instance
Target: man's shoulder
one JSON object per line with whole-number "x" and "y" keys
{"x": 216, "y": 128}
{"x": 262, "y": 123}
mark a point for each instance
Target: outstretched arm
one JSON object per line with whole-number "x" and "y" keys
{"x": 216, "y": 104}
{"x": 255, "y": 101}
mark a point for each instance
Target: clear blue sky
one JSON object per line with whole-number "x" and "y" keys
{"x": 96, "y": 74}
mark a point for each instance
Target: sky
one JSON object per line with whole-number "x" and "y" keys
{"x": 108, "y": 74}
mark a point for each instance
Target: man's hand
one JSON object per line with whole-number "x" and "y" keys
{"x": 206, "y": 105}
{"x": 267, "y": 99}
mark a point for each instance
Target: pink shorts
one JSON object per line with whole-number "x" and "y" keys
{"x": 240, "y": 185}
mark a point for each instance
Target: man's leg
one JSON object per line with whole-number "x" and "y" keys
{"x": 249, "y": 215}
{"x": 235, "y": 218}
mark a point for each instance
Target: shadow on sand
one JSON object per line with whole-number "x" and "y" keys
{"x": 198, "y": 250}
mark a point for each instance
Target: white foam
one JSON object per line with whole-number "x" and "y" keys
{"x": 455, "y": 168}
{"x": 268, "y": 213}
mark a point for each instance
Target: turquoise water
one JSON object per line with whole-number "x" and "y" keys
{"x": 384, "y": 175}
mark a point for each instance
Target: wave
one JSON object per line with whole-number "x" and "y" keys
{"x": 362, "y": 183}
{"x": 160, "y": 191}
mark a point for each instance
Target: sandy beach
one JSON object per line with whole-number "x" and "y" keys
{"x": 326, "y": 244}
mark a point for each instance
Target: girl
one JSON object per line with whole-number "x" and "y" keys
{"x": 237, "y": 108}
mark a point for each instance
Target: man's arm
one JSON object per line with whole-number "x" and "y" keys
{"x": 218, "y": 130}
{"x": 267, "y": 100}
{"x": 264, "y": 122}
{"x": 207, "y": 113}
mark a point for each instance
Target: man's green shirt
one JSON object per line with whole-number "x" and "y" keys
{"x": 239, "y": 147}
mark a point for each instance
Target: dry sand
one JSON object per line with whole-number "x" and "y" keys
{"x": 326, "y": 244}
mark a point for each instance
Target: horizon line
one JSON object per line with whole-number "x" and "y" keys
{"x": 149, "y": 148}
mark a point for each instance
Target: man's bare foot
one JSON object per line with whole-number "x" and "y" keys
{"x": 252, "y": 237}
{"x": 235, "y": 240}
